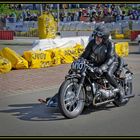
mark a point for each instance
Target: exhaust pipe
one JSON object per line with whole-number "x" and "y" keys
{"x": 97, "y": 104}
{"x": 129, "y": 96}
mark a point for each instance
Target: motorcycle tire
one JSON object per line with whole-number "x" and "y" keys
{"x": 68, "y": 105}
{"x": 118, "y": 103}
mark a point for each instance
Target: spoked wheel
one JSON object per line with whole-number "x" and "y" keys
{"x": 71, "y": 106}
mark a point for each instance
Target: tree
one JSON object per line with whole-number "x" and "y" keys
{"x": 4, "y": 9}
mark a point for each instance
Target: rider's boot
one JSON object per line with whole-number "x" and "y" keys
{"x": 120, "y": 92}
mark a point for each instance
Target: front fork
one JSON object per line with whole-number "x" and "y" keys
{"x": 80, "y": 87}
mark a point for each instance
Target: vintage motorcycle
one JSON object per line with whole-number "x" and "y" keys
{"x": 84, "y": 87}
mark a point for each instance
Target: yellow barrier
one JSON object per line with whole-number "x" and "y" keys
{"x": 56, "y": 58}
{"x": 16, "y": 60}
{"x": 51, "y": 26}
{"x": 52, "y": 57}
{"x": 5, "y": 65}
{"x": 122, "y": 49}
{"x": 0, "y": 52}
{"x": 119, "y": 36}
{"x": 79, "y": 49}
{"x": 47, "y": 26}
{"x": 68, "y": 55}
{"x": 127, "y": 34}
{"x": 38, "y": 59}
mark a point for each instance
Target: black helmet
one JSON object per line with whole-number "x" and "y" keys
{"x": 101, "y": 31}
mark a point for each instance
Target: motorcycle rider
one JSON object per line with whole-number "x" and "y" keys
{"x": 100, "y": 50}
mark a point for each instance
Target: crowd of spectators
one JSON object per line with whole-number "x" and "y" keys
{"x": 93, "y": 13}
{"x": 16, "y": 6}
{"x": 28, "y": 16}
{"x": 25, "y": 15}
{"x": 99, "y": 12}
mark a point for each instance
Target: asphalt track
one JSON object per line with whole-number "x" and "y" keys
{"x": 23, "y": 115}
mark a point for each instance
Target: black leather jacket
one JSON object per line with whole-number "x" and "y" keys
{"x": 100, "y": 54}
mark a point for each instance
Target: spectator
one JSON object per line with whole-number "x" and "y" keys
{"x": 123, "y": 15}
{"x": 28, "y": 15}
{"x": 79, "y": 14}
{"x": 76, "y": 16}
{"x": 84, "y": 12}
{"x": 24, "y": 14}
{"x": 34, "y": 6}
{"x": 20, "y": 18}
{"x": 13, "y": 17}
{"x": 19, "y": 7}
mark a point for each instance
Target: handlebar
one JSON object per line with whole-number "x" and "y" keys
{"x": 89, "y": 65}
{"x": 91, "y": 68}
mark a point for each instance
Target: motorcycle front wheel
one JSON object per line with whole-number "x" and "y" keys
{"x": 69, "y": 105}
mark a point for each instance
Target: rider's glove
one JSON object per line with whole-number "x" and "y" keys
{"x": 98, "y": 71}
{"x": 104, "y": 67}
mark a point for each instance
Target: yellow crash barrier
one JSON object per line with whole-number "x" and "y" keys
{"x": 119, "y": 36}
{"x": 47, "y": 26}
{"x": 68, "y": 55}
{"x": 66, "y": 58}
{"x": 56, "y": 58}
{"x": 16, "y": 60}
{"x": 122, "y": 49}
{"x": 127, "y": 34}
{"x": 79, "y": 49}
{"x": 38, "y": 59}
{"x": 5, "y": 65}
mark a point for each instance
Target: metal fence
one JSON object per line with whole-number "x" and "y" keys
{"x": 30, "y": 33}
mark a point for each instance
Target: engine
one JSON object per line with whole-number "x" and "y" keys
{"x": 106, "y": 94}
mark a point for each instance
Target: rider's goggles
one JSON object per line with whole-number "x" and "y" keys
{"x": 99, "y": 34}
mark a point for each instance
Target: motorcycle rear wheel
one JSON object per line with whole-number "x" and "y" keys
{"x": 117, "y": 102}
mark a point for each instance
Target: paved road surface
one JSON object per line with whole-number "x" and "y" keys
{"x": 22, "y": 115}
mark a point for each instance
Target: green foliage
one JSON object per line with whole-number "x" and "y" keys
{"x": 4, "y": 9}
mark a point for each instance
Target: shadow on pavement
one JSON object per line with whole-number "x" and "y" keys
{"x": 92, "y": 109}
{"x": 40, "y": 112}
{"x": 34, "y": 112}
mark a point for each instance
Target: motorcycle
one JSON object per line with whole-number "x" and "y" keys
{"x": 83, "y": 87}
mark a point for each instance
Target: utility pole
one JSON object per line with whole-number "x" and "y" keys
{"x": 58, "y": 13}
{"x": 41, "y": 9}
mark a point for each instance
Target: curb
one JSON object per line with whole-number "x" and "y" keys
{"x": 133, "y": 43}
{"x": 29, "y": 41}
